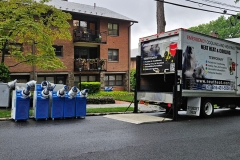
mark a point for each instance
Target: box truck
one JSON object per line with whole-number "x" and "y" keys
{"x": 207, "y": 74}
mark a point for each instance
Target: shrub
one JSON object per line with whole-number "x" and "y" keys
{"x": 94, "y": 87}
{"x": 100, "y": 100}
{"x": 116, "y": 95}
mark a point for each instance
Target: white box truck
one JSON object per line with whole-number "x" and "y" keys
{"x": 209, "y": 73}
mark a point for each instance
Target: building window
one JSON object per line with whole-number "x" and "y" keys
{"x": 58, "y": 51}
{"x": 113, "y": 55}
{"x": 20, "y": 78}
{"x": 113, "y": 29}
{"x": 58, "y": 79}
{"x": 113, "y": 80}
{"x": 13, "y": 46}
{"x": 84, "y": 78}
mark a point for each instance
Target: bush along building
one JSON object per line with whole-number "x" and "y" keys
{"x": 98, "y": 52}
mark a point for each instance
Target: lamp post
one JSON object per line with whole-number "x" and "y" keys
{"x": 99, "y": 70}
{"x": 80, "y": 78}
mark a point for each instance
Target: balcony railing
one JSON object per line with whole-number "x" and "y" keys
{"x": 90, "y": 65}
{"x": 91, "y": 36}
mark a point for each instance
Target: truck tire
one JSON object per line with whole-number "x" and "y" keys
{"x": 207, "y": 108}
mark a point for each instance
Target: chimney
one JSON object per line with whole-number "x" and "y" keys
{"x": 214, "y": 34}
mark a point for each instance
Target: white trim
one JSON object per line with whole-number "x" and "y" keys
{"x": 115, "y": 72}
{"x": 19, "y": 74}
{"x": 52, "y": 73}
{"x": 85, "y": 44}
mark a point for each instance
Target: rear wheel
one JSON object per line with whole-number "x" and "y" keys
{"x": 233, "y": 106}
{"x": 207, "y": 108}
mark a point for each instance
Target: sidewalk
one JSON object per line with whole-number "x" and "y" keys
{"x": 141, "y": 107}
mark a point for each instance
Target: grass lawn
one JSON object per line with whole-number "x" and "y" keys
{"x": 7, "y": 113}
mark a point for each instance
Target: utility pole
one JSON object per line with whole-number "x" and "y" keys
{"x": 161, "y": 22}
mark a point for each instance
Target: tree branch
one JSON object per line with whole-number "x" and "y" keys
{"x": 18, "y": 63}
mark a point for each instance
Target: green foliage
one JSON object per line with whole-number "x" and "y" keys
{"x": 4, "y": 73}
{"x": 116, "y": 95}
{"x": 94, "y": 87}
{"x": 29, "y": 22}
{"x": 111, "y": 94}
{"x": 225, "y": 27}
{"x": 102, "y": 100}
{"x": 98, "y": 39}
{"x": 132, "y": 79}
{"x": 5, "y": 113}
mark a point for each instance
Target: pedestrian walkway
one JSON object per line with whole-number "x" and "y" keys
{"x": 141, "y": 107}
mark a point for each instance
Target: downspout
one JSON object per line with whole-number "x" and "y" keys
{"x": 33, "y": 65}
{"x": 129, "y": 54}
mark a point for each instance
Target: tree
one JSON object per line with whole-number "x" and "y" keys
{"x": 225, "y": 27}
{"x": 132, "y": 79}
{"x": 35, "y": 26}
{"x": 4, "y": 73}
{"x": 161, "y": 23}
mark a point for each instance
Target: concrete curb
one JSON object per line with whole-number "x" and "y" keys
{"x": 92, "y": 114}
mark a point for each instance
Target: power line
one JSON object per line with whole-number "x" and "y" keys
{"x": 196, "y": 8}
{"x": 212, "y": 6}
{"x": 220, "y": 3}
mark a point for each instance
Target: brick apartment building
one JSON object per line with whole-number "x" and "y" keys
{"x": 134, "y": 54}
{"x": 97, "y": 34}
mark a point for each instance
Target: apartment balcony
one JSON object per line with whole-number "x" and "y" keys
{"x": 89, "y": 36}
{"x": 90, "y": 65}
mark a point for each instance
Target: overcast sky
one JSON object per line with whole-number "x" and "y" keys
{"x": 144, "y": 11}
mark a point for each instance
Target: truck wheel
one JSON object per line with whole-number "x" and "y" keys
{"x": 207, "y": 108}
{"x": 232, "y": 107}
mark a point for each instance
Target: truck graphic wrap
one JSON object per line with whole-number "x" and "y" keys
{"x": 158, "y": 56}
{"x": 207, "y": 62}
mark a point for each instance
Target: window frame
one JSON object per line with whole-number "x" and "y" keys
{"x": 87, "y": 77}
{"x": 115, "y": 81}
{"x": 111, "y": 30}
{"x": 55, "y": 50}
{"x": 112, "y": 59}
{"x": 55, "y": 78}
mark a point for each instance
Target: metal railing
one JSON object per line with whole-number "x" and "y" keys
{"x": 92, "y": 36}
{"x": 96, "y": 64}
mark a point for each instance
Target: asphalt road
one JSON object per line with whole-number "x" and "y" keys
{"x": 99, "y": 138}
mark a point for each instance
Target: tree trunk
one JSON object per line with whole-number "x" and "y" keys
{"x": 161, "y": 23}
{"x": 3, "y": 51}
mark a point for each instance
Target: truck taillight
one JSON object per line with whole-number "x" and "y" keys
{"x": 233, "y": 66}
{"x": 141, "y": 102}
{"x": 169, "y": 105}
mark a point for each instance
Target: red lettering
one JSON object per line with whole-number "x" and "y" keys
{"x": 196, "y": 39}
